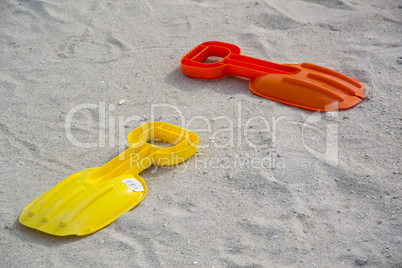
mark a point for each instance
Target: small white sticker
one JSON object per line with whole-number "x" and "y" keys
{"x": 134, "y": 185}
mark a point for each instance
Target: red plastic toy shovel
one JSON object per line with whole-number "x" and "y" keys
{"x": 304, "y": 85}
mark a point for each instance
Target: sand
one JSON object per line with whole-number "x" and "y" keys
{"x": 264, "y": 189}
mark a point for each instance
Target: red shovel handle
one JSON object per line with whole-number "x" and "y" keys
{"x": 232, "y": 62}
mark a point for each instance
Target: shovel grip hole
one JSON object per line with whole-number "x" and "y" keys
{"x": 160, "y": 143}
{"x": 211, "y": 54}
{"x": 161, "y": 138}
{"x": 212, "y": 59}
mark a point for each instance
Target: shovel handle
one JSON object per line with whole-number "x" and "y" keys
{"x": 232, "y": 62}
{"x": 184, "y": 142}
{"x": 141, "y": 154}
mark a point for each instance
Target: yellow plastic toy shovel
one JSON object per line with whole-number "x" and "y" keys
{"x": 93, "y": 198}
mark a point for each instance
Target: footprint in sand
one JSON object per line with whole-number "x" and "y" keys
{"x": 272, "y": 21}
{"x": 91, "y": 47}
{"x": 335, "y": 4}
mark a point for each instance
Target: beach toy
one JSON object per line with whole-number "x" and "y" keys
{"x": 93, "y": 198}
{"x": 304, "y": 85}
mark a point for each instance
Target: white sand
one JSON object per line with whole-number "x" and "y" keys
{"x": 302, "y": 212}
